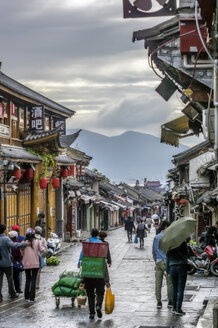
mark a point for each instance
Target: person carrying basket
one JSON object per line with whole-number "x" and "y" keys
{"x": 94, "y": 272}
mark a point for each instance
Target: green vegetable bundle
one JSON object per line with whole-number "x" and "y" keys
{"x": 53, "y": 260}
{"x": 68, "y": 286}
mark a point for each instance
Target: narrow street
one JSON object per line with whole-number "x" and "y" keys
{"x": 132, "y": 281}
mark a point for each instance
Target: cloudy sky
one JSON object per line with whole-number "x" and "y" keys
{"x": 80, "y": 54}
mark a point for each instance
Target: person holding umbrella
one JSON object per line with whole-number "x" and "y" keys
{"x": 174, "y": 243}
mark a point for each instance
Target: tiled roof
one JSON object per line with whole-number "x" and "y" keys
{"x": 34, "y": 135}
{"x": 64, "y": 159}
{"x": 27, "y": 92}
{"x": 191, "y": 151}
{"x": 17, "y": 153}
{"x": 67, "y": 140}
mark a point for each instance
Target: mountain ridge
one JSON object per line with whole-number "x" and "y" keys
{"x": 127, "y": 157}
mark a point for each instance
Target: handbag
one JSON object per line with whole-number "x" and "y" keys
{"x": 109, "y": 301}
{"x": 18, "y": 266}
{"x": 136, "y": 239}
{"x": 41, "y": 260}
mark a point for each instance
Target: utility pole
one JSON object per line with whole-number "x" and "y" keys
{"x": 215, "y": 37}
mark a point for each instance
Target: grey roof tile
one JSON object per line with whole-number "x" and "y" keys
{"x": 27, "y": 92}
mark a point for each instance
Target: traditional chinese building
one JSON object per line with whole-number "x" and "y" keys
{"x": 33, "y": 159}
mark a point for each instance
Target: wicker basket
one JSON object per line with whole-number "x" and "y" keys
{"x": 81, "y": 300}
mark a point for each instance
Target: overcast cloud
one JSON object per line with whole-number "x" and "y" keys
{"x": 80, "y": 53}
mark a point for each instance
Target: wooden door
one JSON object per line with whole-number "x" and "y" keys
{"x": 24, "y": 207}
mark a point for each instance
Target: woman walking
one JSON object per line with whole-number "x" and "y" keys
{"x": 38, "y": 235}
{"x": 31, "y": 264}
{"x": 141, "y": 233}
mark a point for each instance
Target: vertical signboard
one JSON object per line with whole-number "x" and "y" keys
{"x": 36, "y": 117}
{"x": 60, "y": 122}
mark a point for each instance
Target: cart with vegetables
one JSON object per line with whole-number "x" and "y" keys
{"x": 69, "y": 286}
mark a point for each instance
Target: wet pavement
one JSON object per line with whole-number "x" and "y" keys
{"x": 132, "y": 282}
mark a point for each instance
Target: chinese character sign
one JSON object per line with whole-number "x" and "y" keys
{"x": 61, "y": 123}
{"x": 37, "y": 118}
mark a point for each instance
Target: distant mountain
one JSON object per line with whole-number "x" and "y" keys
{"x": 129, "y": 156}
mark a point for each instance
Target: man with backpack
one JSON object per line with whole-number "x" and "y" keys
{"x": 94, "y": 285}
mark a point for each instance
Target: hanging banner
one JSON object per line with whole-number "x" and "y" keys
{"x": 36, "y": 117}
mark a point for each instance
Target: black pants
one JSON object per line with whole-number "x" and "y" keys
{"x": 129, "y": 235}
{"x": 16, "y": 277}
{"x": 9, "y": 274}
{"x": 30, "y": 286}
{"x": 90, "y": 286}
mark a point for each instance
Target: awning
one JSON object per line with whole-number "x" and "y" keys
{"x": 71, "y": 194}
{"x": 120, "y": 205}
{"x": 173, "y": 130}
{"x": 86, "y": 198}
{"x": 120, "y": 198}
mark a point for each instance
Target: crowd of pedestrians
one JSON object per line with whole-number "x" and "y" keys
{"x": 21, "y": 253}
{"x": 17, "y": 254}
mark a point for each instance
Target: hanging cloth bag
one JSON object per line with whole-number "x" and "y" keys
{"x": 41, "y": 260}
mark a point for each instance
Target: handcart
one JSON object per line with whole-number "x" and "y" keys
{"x": 68, "y": 286}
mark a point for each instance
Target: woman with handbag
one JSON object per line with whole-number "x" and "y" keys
{"x": 17, "y": 261}
{"x": 31, "y": 264}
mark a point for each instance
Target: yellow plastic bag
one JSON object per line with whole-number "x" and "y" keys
{"x": 109, "y": 301}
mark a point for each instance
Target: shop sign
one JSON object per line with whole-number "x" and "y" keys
{"x": 36, "y": 117}
{"x": 4, "y": 130}
{"x": 60, "y": 122}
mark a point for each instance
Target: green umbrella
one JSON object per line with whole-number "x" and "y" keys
{"x": 176, "y": 233}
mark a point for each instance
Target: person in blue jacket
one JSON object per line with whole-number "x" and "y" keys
{"x": 95, "y": 284}
{"x": 6, "y": 265}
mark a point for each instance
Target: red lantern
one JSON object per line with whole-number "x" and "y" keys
{"x": 71, "y": 170}
{"x": 17, "y": 173}
{"x": 183, "y": 201}
{"x": 43, "y": 183}
{"x": 56, "y": 182}
{"x": 29, "y": 173}
{"x": 64, "y": 173}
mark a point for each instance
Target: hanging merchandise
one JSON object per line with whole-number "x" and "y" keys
{"x": 183, "y": 201}
{"x": 55, "y": 182}
{"x": 43, "y": 183}
{"x": 64, "y": 173}
{"x": 71, "y": 170}
{"x": 17, "y": 173}
{"x": 29, "y": 173}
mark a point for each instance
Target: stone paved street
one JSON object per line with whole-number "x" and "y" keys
{"x": 132, "y": 280}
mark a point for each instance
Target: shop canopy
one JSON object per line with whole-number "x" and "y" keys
{"x": 172, "y": 131}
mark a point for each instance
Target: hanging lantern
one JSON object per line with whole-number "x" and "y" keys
{"x": 17, "y": 173}
{"x": 43, "y": 183}
{"x": 56, "y": 182}
{"x": 29, "y": 173}
{"x": 71, "y": 170}
{"x": 64, "y": 173}
{"x": 183, "y": 201}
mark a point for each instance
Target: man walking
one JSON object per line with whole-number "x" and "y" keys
{"x": 6, "y": 265}
{"x": 160, "y": 261}
{"x": 129, "y": 225}
{"x": 95, "y": 286}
